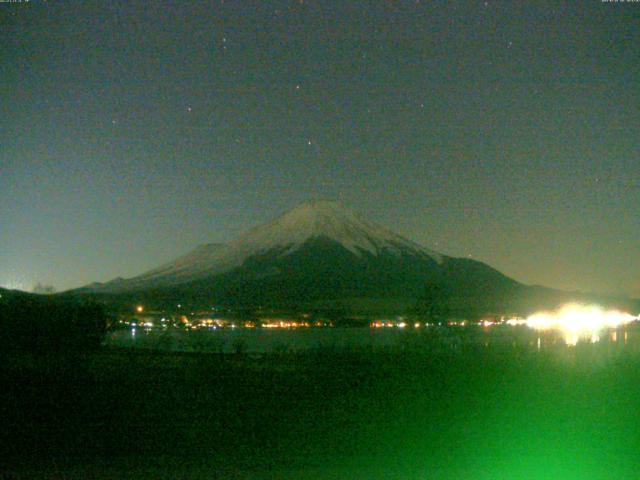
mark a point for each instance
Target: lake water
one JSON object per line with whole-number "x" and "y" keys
{"x": 266, "y": 340}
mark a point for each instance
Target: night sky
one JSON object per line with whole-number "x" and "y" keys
{"x": 506, "y": 131}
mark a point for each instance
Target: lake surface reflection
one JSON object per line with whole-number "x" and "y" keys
{"x": 263, "y": 340}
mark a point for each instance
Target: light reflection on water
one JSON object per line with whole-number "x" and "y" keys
{"x": 580, "y": 322}
{"x": 260, "y": 340}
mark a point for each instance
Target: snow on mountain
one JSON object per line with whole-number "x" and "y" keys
{"x": 331, "y": 220}
{"x": 284, "y": 235}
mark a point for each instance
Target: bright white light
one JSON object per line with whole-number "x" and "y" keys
{"x": 516, "y": 321}
{"x": 577, "y": 321}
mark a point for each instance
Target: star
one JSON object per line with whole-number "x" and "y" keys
{"x": 189, "y": 109}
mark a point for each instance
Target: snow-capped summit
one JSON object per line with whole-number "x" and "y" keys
{"x": 322, "y": 219}
{"x": 331, "y": 220}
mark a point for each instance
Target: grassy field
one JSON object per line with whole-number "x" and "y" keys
{"x": 470, "y": 413}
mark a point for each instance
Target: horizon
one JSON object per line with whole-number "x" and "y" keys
{"x": 39, "y": 288}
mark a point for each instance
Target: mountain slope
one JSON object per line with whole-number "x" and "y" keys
{"x": 318, "y": 254}
{"x": 281, "y": 238}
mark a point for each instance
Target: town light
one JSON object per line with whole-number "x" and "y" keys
{"x": 577, "y": 321}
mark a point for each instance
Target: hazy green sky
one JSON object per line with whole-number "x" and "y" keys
{"x": 130, "y": 132}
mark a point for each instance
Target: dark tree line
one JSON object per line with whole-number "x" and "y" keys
{"x": 36, "y": 323}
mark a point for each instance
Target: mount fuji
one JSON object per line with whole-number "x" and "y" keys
{"x": 290, "y": 235}
{"x": 321, "y": 255}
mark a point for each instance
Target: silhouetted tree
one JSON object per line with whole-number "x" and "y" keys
{"x": 33, "y": 323}
{"x": 43, "y": 289}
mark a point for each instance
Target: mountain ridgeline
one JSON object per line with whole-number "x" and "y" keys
{"x": 323, "y": 257}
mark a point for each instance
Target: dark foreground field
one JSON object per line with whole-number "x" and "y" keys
{"x": 469, "y": 413}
